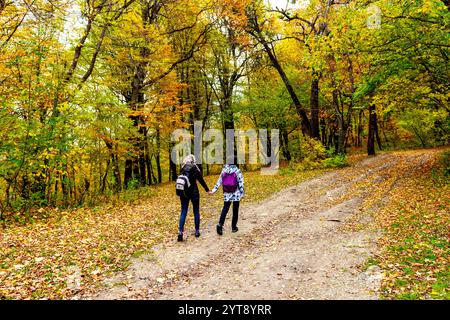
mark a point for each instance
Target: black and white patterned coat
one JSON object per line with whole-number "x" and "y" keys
{"x": 239, "y": 193}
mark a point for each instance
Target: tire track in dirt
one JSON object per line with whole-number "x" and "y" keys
{"x": 289, "y": 246}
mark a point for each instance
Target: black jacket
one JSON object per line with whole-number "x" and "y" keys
{"x": 194, "y": 175}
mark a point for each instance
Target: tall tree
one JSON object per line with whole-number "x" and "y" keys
{"x": 258, "y": 28}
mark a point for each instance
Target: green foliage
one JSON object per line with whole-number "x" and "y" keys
{"x": 430, "y": 127}
{"x": 69, "y": 132}
{"x": 446, "y": 163}
{"x": 337, "y": 161}
{"x": 308, "y": 149}
{"x": 315, "y": 155}
{"x": 133, "y": 184}
{"x": 266, "y": 103}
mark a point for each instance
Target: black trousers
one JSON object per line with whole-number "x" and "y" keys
{"x": 226, "y": 208}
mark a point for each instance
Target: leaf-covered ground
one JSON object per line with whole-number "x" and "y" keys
{"x": 411, "y": 206}
{"x": 40, "y": 259}
{"x": 315, "y": 240}
{"x": 407, "y": 198}
{"x": 416, "y": 244}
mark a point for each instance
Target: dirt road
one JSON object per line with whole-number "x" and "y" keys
{"x": 294, "y": 245}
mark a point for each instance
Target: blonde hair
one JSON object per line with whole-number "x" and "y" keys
{"x": 189, "y": 159}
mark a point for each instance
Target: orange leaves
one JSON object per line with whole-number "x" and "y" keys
{"x": 163, "y": 108}
{"x": 71, "y": 253}
{"x": 234, "y": 11}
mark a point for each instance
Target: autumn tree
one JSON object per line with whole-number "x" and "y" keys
{"x": 258, "y": 27}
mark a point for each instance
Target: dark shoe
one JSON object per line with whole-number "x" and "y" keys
{"x": 235, "y": 229}
{"x": 219, "y": 230}
{"x": 180, "y": 237}
{"x": 197, "y": 234}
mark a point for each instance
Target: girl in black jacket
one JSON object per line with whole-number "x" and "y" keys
{"x": 193, "y": 195}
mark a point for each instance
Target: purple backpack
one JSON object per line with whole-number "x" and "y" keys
{"x": 229, "y": 182}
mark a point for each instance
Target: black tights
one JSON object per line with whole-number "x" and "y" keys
{"x": 226, "y": 207}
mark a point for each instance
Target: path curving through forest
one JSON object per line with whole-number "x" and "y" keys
{"x": 294, "y": 245}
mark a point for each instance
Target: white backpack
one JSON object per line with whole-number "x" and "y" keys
{"x": 182, "y": 184}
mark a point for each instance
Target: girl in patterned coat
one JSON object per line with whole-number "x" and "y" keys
{"x": 232, "y": 180}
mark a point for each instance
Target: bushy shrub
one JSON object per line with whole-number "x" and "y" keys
{"x": 311, "y": 150}
{"x": 133, "y": 184}
{"x": 337, "y": 161}
{"x": 429, "y": 127}
{"x": 313, "y": 155}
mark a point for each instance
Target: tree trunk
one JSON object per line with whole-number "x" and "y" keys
{"x": 128, "y": 173}
{"x": 103, "y": 186}
{"x": 135, "y": 167}
{"x": 285, "y": 144}
{"x": 228, "y": 124}
{"x": 306, "y": 126}
{"x": 324, "y": 132}
{"x": 371, "y": 137}
{"x": 342, "y": 136}
{"x": 116, "y": 173}
{"x": 158, "y": 155}
{"x": 314, "y": 104}
{"x": 142, "y": 166}
{"x": 377, "y": 133}
{"x": 64, "y": 188}
{"x": 359, "y": 129}
{"x": 256, "y": 31}
{"x": 172, "y": 170}
{"x": 173, "y": 174}
{"x": 112, "y": 148}
{"x": 148, "y": 164}
{"x": 55, "y": 195}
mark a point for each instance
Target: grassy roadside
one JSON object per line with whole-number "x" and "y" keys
{"x": 415, "y": 247}
{"x": 38, "y": 259}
